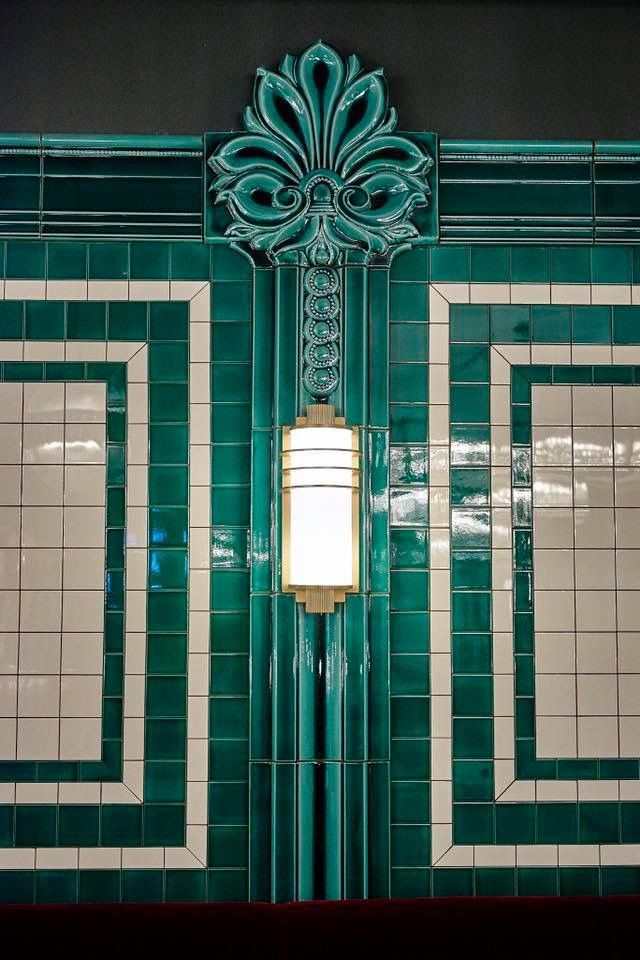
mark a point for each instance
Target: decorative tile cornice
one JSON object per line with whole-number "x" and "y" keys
{"x": 320, "y": 176}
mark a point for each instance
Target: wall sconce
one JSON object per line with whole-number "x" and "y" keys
{"x": 320, "y": 522}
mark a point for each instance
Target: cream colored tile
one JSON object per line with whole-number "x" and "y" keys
{"x": 611, "y": 293}
{"x": 530, "y": 293}
{"x": 629, "y": 694}
{"x": 555, "y": 653}
{"x": 554, "y": 610}
{"x": 629, "y": 736}
{"x": 550, "y": 405}
{"x": 25, "y": 290}
{"x": 10, "y": 403}
{"x": 628, "y": 528}
{"x": 84, "y": 443}
{"x": 10, "y": 443}
{"x": 556, "y": 737}
{"x": 82, "y": 653}
{"x": 593, "y": 487}
{"x": 41, "y": 526}
{"x": 39, "y": 653}
{"x": 8, "y": 696}
{"x": 108, "y": 290}
{"x": 594, "y": 527}
{"x": 555, "y": 695}
{"x": 628, "y": 610}
{"x": 593, "y": 446}
{"x": 628, "y": 570}
{"x": 8, "y": 653}
{"x": 627, "y": 483}
{"x": 42, "y": 485}
{"x": 84, "y": 485}
{"x": 83, "y": 611}
{"x": 66, "y": 289}
{"x": 626, "y": 441}
{"x": 595, "y": 569}
{"x": 592, "y": 406}
{"x": 578, "y": 293}
{"x": 552, "y": 446}
{"x": 597, "y": 695}
{"x": 597, "y": 736}
{"x": 629, "y": 652}
{"x": 595, "y": 610}
{"x": 552, "y": 487}
{"x": 553, "y": 569}
{"x": 85, "y": 402}
{"x": 37, "y": 739}
{"x": 81, "y": 696}
{"x": 626, "y": 406}
{"x": 489, "y": 292}
{"x": 80, "y": 738}
{"x": 84, "y": 526}
{"x": 9, "y": 568}
{"x": 10, "y": 485}
{"x": 40, "y": 610}
{"x": 84, "y": 569}
{"x": 43, "y": 443}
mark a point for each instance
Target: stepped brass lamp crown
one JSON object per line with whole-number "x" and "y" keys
{"x": 320, "y": 485}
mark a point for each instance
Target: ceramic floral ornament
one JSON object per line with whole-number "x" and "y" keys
{"x": 319, "y": 175}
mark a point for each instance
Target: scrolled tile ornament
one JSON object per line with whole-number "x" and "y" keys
{"x": 319, "y": 170}
{"x": 320, "y": 179}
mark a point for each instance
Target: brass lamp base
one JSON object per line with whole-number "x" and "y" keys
{"x": 320, "y": 599}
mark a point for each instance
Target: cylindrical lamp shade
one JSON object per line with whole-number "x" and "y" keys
{"x": 320, "y": 509}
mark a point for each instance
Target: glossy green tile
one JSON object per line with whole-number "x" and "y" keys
{"x": 142, "y": 886}
{"x": 410, "y": 759}
{"x": 469, "y": 487}
{"x": 36, "y": 826}
{"x": 168, "y": 486}
{"x": 189, "y": 261}
{"x": 149, "y": 260}
{"x": 592, "y": 324}
{"x": 410, "y": 846}
{"x": 25, "y": 260}
{"x": 229, "y": 675}
{"x": 579, "y": 881}
{"x": 228, "y": 264}
{"x": 229, "y": 715}
{"x": 409, "y": 716}
{"x": 230, "y": 632}
{"x": 56, "y": 886}
{"x": 231, "y": 342}
{"x": 626, "y": 323}
{"x": 169, "y": 361}
{"x": 169, "y": 321}
{"x": 165, "y": 739}
{"x": 409, "y": 632}
{"x": 469, "y": 403}
{"x": 409, "y": 548}
{"x": 537, "y": 882}
{"x": 229, "y": 803}
{"x": 472, "y": 739}
{"x": 473, "y": 823}
{"x": 66, "y": 260}
{"x": 165, "y": 781}
{"x": 470, "y": 529}
{"x": 169, "y": 402}
{"x": 450, "y": 263}
{"x": 409, "y": 802}
{"x": 472, "y": 696}
{"x": 167, "y": 612}
{"x": 409, "y": 590}
{"x": 409, "y": 675}
{"x": 530, "y": 265}
{"x": 166, "y": 696}
{"x": 407, "y": 303}
{"x": 472, "y": 653}
{"x": 408, "y": 382}
{"x": 408, "y": 506}
{"x": 411, "y": 265}
{"x": 44, "y": 320}
{"x": 570, "y": 265}
{"x": 108, "y": 261}
{"x": 11, "y": 319}
{"x": 86, "y": 321}
{"x": 78, "y": 826}
{"x": 453, "y": 882}
{"x": 470, "y": 569}
{"x": 127, "y": 321}
{"x": 99, "y": 886}
{"x": 121, "y": 825}
{"x": 228, "y": 846}
{"x": 510, "y": 323}
{"x": 557, "y": 823}
{"x": 469, "y": 323}
{"x": 408, "y": 343}
{"x": 409, "y": 424}
{"x": 469, "y": 362}
{"x": 473, "y": 780}
{"x": 185, "y": 886}
{"x": 408, "y": 465}
{"x": 168, "y": 569}
{"x": 495, "y": 882}
{"x": 550, "y": 324}
{"x": 611, "y": 264}
{"x": 470, "y": 445}
{"x": 231, "y": 302}
{"x": 490, "y": 264}
{"x": 599, "y": 822}
{"x": 515, "y": 823}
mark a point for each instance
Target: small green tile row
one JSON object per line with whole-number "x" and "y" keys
{"x": 474, "y": 326}
{"x": 542, "y": 823}
{"x": 135, "y": 260}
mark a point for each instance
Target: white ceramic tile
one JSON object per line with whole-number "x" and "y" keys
{"x": 554, "y": 653}
{"x": 597, "y": 695}
{"x": 10, "y": 403}
{"x": 9, "y": 568}
{"x": 554, "y": 569}
{"x": 556, "y": 737}
{"x": 8, "y": 696}
{"x": 530, "y": 293}
{"x": 630, "y": 737}
{"x": 593, "y": 487}
{"x": 627, "y": 528}
{"x": 10, "y": 485}
{"x": 552, "y": 446}
{"x": 81, "y": 696}
{"x": 41, "y": 568}
{"x": 550, "y": 405}
{"x": 555, "y": 695}
{"x": 80, "y": 739}
{"x": 43, "y": 402}
{"x": 554, "y": 610}
{"x": 626, "y": 406}
{"x": 8, "y": 653}
{"x": 84, "y": 526}
{"x": 82, "y": 653}
{"x": 595, "y": 610}
{"x": 626, "y": 441}
{"x": 593, "y": 446}
{"x": 84, "y": 485}
{"x": 553, "y": 527}
{"x": 39, "y": 653}
{"x": 627, "y": 486}
{"x": 42, "y": 443}
{"x": 41, "y": 526}
{"x": 578, "y": 293}
{"x": 628, "y": 609}
{"x": 629, "y": 694}
{"x": 594, "y": 527}
{"x": 84, "y": 569}
{"x": 597, "y": 736}
{"x": 37, "y": 739}
{"x": 10, "y": 443}
{"x": 40, "y": 610}
{"x": 592, "y": 405}
{"x": 596, "y": 653}
{"x": 9, "y": 610}
{"x": 84, "y": 443}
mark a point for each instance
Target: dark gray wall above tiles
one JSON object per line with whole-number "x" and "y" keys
{"x": 464, "y": 69}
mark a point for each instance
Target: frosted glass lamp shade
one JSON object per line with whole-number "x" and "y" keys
{"x": 320, "y": 509}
